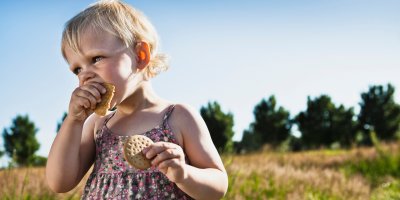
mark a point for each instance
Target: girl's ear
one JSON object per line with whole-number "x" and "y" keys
{"x": 142, "y": 51}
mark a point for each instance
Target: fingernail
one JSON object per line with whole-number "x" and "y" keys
{"x": 145, "y": 150}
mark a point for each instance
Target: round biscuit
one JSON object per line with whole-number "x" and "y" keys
{"x": 133, "y": 147}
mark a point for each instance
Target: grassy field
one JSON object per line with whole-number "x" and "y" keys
{"x": 360, "y": 173}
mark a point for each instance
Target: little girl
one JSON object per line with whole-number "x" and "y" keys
{"x": 111, "y": 42}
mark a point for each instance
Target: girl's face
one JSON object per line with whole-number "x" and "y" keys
{"x": 104, "y": 58}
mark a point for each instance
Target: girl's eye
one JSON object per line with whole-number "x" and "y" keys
{"x": 97, "y": 59}
{"x": 77, "y": 70}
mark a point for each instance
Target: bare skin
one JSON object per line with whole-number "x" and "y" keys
{"x": 138, "y": 110}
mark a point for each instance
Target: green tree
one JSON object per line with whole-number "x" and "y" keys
{"x": 379, "y": 113}
{"x": 344, "y": 126}
{"x": 220, "y": 126}
{"x": 271, "y": 126}
{"x": 250, "y": 141}
{"x": 20, "y": 142}
{"x": 323, "y": 123}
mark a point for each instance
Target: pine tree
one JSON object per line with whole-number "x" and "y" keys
{"x": 20, "y": 142}
{"x": 272, "y": 125}
{"x": 379, "y": 113}
{"x": 323, "y": 124}
{"x": 220, "y": 125}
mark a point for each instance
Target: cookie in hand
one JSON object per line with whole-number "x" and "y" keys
{"x": 133, "y": 151}
{"x": 104, "y": 105}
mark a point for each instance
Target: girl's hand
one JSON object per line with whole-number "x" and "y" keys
{"x": 169, "y": 158}
{"x": 84, "y": 99}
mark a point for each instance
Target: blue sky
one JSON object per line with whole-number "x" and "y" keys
{"x": 233, "y": 52}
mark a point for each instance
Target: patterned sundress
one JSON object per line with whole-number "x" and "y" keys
{"x": 113, "y": 178}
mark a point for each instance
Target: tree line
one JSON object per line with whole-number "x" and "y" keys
{"x": 323, "y": 124}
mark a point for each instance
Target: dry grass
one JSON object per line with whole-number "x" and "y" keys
{"x": 262, "y": 175}
{"x": 305, "y": 175}
{"x": 30, "y": 183}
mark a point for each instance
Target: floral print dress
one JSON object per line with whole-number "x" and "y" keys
{"x": 113, "y": 178}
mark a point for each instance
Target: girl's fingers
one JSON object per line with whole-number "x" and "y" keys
{"x": 97, "y": 87}
{"x": 79, "y": 99}
{"x": 83, "y": 94}
{"x": 93, "y": 92}
{"x": 100, "y": 87}
{"x": 167, "y": 163}
{"x": 161, "y": 152}
{"x": 84, "y": 100}
{"x": 84, "y": 103}
{"x": 168, "y": 154}
{"x": 157, "y": 148}
{"x": 94, "y": 89}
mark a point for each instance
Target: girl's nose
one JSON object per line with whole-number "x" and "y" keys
{"x": 84, "y": 77}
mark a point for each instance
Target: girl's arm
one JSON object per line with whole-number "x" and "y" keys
{"x": 71, "y": 154}
{"x": 205, "y": 177}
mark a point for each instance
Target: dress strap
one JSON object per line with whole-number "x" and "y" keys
{"x": 168, "y": 114}
{"x": 108, "y": 119}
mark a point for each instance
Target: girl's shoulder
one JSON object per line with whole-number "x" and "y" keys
{"x": 185, "y": 118}
{"x": 183, "y": 112}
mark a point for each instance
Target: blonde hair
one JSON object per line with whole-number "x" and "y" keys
{"x": 120, "y": 20}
